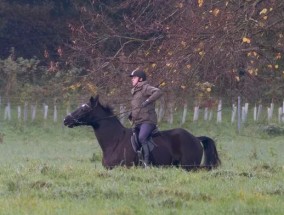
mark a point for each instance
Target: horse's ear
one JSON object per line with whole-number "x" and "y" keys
{"x": 94, "y": 101}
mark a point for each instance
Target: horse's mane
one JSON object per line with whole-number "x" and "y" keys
{"x": 107, "y": 108}
{"x": 111, "y": 113}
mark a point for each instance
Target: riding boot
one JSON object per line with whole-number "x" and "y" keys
{"x": 146, "y": 155}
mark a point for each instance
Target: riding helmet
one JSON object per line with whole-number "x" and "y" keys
{"x": 138, "y": 73}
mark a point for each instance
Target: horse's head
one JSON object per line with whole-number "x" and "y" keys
{"x": 84, "y": 115}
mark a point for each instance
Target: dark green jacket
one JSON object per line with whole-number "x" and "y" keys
{"x": 140, "y": 93}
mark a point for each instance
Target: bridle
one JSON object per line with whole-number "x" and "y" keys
{"x": 81, "y": 115}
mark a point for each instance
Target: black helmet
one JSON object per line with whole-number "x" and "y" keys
{"x": 138, "y": 73}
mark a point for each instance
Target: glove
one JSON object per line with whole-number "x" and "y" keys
{"x": 144, "y": 104}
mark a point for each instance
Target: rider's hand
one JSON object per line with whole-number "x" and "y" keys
{"x": 144, "y": 104}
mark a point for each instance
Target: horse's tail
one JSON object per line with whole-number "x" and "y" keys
{"x": 211, "y": 159}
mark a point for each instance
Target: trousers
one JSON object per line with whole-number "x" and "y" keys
{"x": 144, "y": 132}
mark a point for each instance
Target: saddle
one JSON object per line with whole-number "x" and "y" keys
{"x": 136, "y": 145}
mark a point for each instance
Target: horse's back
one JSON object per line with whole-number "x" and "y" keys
{"x": 180, "y": 135}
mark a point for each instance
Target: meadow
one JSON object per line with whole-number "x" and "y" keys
{"x": 49, "y": 169}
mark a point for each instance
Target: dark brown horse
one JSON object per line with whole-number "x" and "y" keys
{"x": 173, "y": 147}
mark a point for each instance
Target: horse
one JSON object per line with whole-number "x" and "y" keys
{"x": 174, "y": 147}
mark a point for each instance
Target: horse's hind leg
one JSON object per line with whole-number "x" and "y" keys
{"x": 189, "y": 166}
{"x": 191, "y": 159}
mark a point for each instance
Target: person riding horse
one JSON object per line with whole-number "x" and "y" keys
{"x": 174, "y": 147}
{"x": 143, "y": 114}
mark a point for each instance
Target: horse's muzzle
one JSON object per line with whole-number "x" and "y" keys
{"x": 69, "y": 122}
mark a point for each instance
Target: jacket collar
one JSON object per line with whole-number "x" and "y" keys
{"x": 138, "y": 87}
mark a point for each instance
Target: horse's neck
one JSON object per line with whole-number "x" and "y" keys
{"x": 109, "y": 132}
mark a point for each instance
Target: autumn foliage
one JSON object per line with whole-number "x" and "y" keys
{"x": 183, "y": 44}
{"x": 189, "y": 48}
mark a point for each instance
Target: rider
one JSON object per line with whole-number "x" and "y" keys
{"x": 143, "y": 114}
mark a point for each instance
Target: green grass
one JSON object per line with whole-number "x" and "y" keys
{"x": 48, "y": 169}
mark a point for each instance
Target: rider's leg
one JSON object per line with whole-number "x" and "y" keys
{"x": 144, "y": 134}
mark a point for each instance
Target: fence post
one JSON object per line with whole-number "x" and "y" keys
{"x": 68, "y": 108}
{"x": 196, "y": 113}
{"x": 45, "y": 111}
{"x": 33, "y": 110}
{"x": 161, "y": 110}
{"x": 55, "y": 113}
{"x": 282, "y": 112}
{"x": 234, "y": 113}
{"x": 244, "y": 112}
{"x": 219, "y": 111}
{"x": 26, "y": 111}
{"x": 7, "y": 114}
{"x": 239, "y": 114}
{"x": 259, "y": 110}
{"x": 270, "y": 112}
{"x": 19, "y": 112}
{"x": 171, "y": 113}
{"x": 255, "y": 113}
{"x": 183, "y": 119}
{"x": 210, "y": 114}
{"x": 206, "y": 114}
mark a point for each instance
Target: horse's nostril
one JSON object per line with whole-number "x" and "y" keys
{"x": 65, "y": 121}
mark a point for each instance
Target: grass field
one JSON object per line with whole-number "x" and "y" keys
{"x": 48, "y": 169}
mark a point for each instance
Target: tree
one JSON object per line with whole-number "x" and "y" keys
{"x": 191, "y": 48}
{"x": 181, "y": 43}
{"x": 34, "y": 28}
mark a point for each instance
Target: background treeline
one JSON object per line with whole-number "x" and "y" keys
{"x": 194, "y": 49}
